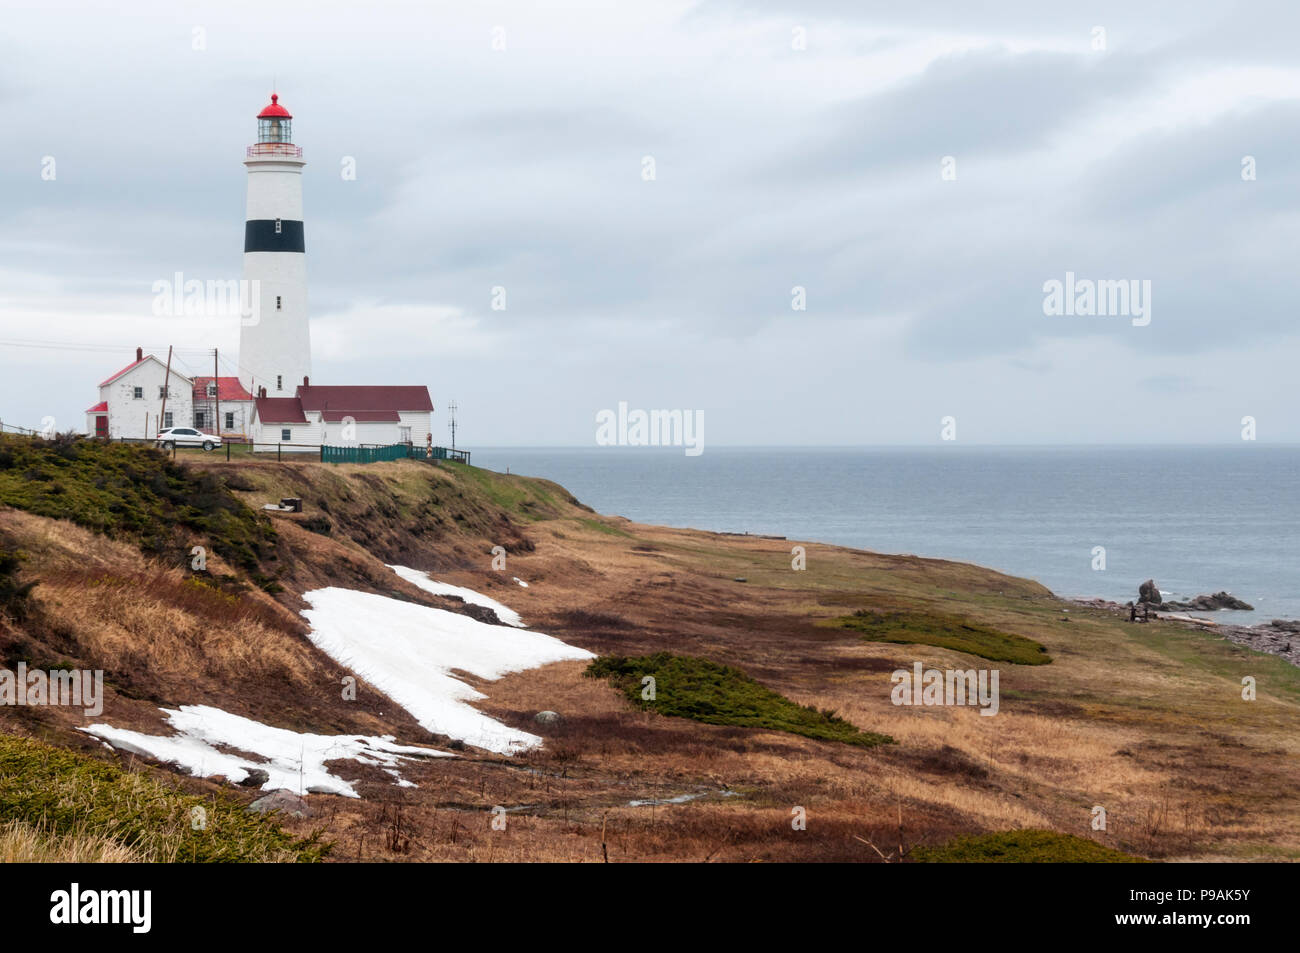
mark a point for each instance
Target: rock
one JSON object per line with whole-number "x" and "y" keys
{"x": 1212, "y": 603}
{"x": 256, "y": 778}
{"x": 456, "y": 745}
{"x": 548, "y": 718}
{"x": 282, "y": 800}
{"x": 1149, "y": 593}
{"x": 480, "y": 614}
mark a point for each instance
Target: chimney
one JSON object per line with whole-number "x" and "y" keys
{"x": 261, "y": 391}
{"x": 139, "y": 354}
{"x": 306, "y": 382}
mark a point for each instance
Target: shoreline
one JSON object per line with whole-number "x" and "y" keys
{"x": 1280, "y": 637}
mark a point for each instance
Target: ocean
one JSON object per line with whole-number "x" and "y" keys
{"x": 1195, "y": 519}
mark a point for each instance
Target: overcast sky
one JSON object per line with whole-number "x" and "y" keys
{"x": 775, "y": 166}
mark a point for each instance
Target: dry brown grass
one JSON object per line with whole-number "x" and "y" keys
{"x": 1144, "y": 721}
{"x": 157, "y": 624}
{"x": 25, "y": 844}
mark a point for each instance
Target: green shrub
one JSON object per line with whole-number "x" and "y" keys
{"x": 62, "y": 792}
{"x": 945, "y": 631}
{"x": 13, "y": 594}
{"x": 687, "y": 687}
{"x": 131, "y": 492}
{"x": 1023, "y": 847}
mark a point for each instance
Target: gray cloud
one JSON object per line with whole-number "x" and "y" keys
{"x": 775, "y": 169}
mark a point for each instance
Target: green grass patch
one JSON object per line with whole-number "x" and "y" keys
{"x": 132, "y": 492}
{"x": 523, "y": 497}
{"x": 601, "y": 527}
{"x": 65, "y": 793}
{"x": 1023, "y": 847}
{"x": 687, "y": 687}
{"x": 945, "y": 631}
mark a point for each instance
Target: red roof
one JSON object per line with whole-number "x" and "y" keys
{"x": 275, "y": 110}
{"x": 228, "y": 388}
{"x": 355, "y": 400}
{"x": 100, "y": 408}
{"x": 131, "y": 366}
{"x": 134, "y": 364}
{"x": 280, "y": 410}
{"x": 361, "y": 416}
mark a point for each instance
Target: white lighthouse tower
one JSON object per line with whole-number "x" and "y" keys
{"x": 275, "y": 339}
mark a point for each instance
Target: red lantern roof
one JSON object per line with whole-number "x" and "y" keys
{"x": 275, "y": 110}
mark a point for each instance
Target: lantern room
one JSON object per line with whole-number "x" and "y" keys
{"x": 274, "y": 123}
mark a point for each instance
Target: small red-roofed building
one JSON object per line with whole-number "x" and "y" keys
{"x": 222, "y": 404}
{"x": 131, "y": 401}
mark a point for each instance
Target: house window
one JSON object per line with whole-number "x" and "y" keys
{"x": 212, "y": 389}
{"x": 279, "y": 382}
{"x": 200, "y": 419}
{"x": 162, "y": 391}
{"x": 230, "y": 420}
{"x": 286, "y": 435}
{"x": 278, "y": 228}
{"x": 167, "y": 420}
{"x": 137, "y": 393}
{"x": 277, "y": 303}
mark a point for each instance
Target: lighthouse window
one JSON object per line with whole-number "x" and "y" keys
{"x": 279, "y": 382}
{"x": 277, "y": 302}
{"x": 278, "y": 227}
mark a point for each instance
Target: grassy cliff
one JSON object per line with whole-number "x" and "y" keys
{"x": 768, "y": 671}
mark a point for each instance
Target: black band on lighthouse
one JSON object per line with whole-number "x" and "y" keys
{"x": 260, "y": 235}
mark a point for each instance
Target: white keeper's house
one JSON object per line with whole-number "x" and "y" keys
{"x": 342, "y": 416}
{"x": 265, "y": 404}
{"x": 131, "y": 401}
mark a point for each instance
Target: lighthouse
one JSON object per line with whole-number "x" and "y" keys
{"x": 274, "y": 336}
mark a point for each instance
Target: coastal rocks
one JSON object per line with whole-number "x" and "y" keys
{"x": 1281, "y": 637}
{"x": 1149, "y": 595}
{"x": 1211, "y": 603}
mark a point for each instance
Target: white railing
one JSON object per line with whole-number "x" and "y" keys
{"x": 274, "y": 149}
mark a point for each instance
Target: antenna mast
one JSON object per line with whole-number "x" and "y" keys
{"x": 451, "y": 423}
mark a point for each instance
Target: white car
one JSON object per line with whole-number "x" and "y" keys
{"x": 186, "y": 437}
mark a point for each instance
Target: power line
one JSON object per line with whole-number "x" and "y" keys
{"x": 65, "y": 346}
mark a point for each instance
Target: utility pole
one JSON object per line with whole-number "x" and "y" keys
{"x": 451, "y": 423}
{"x": 167, "y": 386}
{"x": 216, "y": 396}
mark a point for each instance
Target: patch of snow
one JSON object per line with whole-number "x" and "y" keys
{"x": 679, "y": 799}
{"x": 504, "y": 613}
{"x": 292, "y": 760}
{"x": 408, "y": 652}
